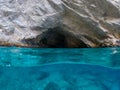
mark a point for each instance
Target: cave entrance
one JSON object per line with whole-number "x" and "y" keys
{"x": 53, "y": 38}
{"x": 59, "y": 38}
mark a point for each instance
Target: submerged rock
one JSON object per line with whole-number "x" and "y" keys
{"x": 115, "y": 60}
{"x": 52, "y": 86}
{"x": 87, "y": 23}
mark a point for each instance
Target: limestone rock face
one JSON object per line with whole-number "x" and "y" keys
{"x": 60, "y": 23}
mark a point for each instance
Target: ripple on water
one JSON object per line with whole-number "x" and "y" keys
{"x": 13, "y": 56}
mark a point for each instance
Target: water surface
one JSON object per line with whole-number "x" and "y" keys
{"x": 12, "y": 56}
{"x": 59, "y": 69}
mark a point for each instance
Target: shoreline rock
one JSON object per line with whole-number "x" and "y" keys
{"x": 78, "y": 23}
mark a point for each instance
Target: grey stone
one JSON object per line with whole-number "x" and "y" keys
{"x": 94, "y": 23}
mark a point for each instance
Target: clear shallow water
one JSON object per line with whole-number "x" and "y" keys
{"x": 59, "y": 69}
{"x": 12, "y": 56}
{"x": 60, "y": 77}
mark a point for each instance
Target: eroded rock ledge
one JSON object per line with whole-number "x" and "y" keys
{"x": 60, "y": 23}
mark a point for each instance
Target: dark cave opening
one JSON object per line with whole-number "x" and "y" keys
{"x": 56, "y": 38}
{"x": 59, "y": 38}
{"x": 53, "y": 38}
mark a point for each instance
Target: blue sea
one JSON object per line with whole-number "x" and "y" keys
{"x": 59, "y": 68}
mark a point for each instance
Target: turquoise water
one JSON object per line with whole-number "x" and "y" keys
{"x": 59, "y": 69}
{"x": 12, "y": 56}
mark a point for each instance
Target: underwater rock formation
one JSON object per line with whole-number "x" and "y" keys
{"x": 52, "y": 86}
{"x": 82, "y": 23}
{"x": 79, "y": 77}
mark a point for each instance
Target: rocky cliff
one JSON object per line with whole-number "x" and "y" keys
{"x": 60, "y": 23}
